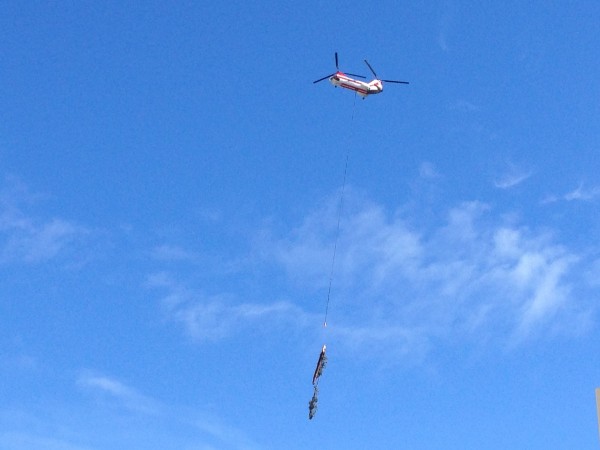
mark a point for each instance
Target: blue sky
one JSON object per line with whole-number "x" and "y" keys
{"x": 169, "y": 184}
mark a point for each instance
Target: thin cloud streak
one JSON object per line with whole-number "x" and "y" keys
{"x": 30, "y": 239}
{"x": 131, "y": 399}
{"x": 208, "y": 318}
{"x": 512, "y": 179}
{"x": 118, "y": 415}
{"x": 581, "y": 193}
{"x": 36, "y": 243}
{"x": 122, "y": 394}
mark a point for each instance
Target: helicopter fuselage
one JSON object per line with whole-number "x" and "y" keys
{"x": 362, "y": 88}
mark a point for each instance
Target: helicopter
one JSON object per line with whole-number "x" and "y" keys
{"x": 362, "y": 88}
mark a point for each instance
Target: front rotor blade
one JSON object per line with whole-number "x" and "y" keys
{"x": 324, "y": 78}
{"x": 336, "y": 62}
{"x": 369, "y": 65}
{"x": 394, "y": 81}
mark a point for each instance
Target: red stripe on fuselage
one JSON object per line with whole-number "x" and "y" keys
{"x": 344, "y": 79}
{"x": 353, "y": 88}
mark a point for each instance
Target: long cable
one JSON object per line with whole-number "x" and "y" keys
{"x": 312, "y": 404}
{"x": 339, "y": 216}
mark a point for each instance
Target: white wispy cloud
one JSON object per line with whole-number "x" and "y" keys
{"x": 448, "y": 17}
{"x": 119, "y": 416}
{"x": 512, "y": 177}
{"x": 471, "y": 275}
{"x": 119, "y": 393}
{"x": 29, "y": 238}
{"x": 581, "y": 193}
{"x": 206, "y": 425}
{"x": 472, "y": 272}
{"x": 214, "y": 317}
{"x": 209, "y": 427}
{"x": 37, "y": 242}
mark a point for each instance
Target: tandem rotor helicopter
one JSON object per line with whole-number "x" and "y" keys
{"x": 362, "y": 88}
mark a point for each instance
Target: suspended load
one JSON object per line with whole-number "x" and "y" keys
{"x": 321, "y": 363}
{"x": 320, "y": 366}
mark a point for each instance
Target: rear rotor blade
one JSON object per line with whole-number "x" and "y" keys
{"x": 324, "y": 78}
{"x": 394, "y": 81}
{"x": 336, "y": 62}
{"x": 369, "y": 65}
